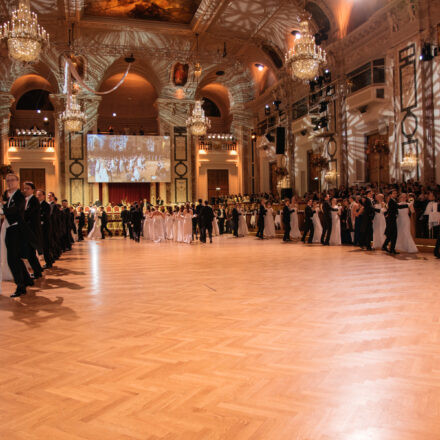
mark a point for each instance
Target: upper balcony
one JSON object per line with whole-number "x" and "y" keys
{"x": 31, "y": 143}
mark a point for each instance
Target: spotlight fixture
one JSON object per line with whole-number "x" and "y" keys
{"x": 259, "y": 66}
{"x": 296, "y": 34}
{"x": 267, "y": 109}
{"x": 327, "y": 76}
{"x": 130, "y": 59}
{"x": 426, "y": 54}
{"x": 114, "y": 115}
{"x": 253, "y": 135}
{"x": 277, "y": 105}
{"x": 46, "y": 119}
{"x": 38, "y": 111}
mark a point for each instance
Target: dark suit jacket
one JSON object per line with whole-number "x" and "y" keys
{"x": 125, "y": 216}
{"x": 81, "y": 220}
{"x": 392, "y": 211}
{"x": 104, "y": 219}
{"x": 206, "y": 216}
{"x": 286, "y": 215}
{"x": 235, "y": 216}
{"x": 261, "y": 213}
{"x": 309, "y": 213}
{"x": 46, "y": 226}
{"x": 32, "y": 216}
{"x": 327, "y": 211}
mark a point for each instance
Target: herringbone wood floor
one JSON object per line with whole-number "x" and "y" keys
{"x": 239, "y": 340}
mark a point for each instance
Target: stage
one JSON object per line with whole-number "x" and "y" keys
{"x": 242, "y": 339}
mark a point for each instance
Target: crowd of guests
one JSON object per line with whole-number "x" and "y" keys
{"x": 36, "y": 229}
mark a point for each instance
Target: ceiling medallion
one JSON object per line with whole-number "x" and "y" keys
{"x": 305, "y": 57}
{"x": 24, "y": 35}
{"x": 198, "y": 123}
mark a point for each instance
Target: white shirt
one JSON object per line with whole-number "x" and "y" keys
{"x": 27, "y": 200}
{"x": 430, "y": 207}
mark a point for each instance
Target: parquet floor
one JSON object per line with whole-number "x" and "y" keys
{"x": 241, "y": 340}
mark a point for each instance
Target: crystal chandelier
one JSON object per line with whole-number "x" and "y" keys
{"x": 73, "y": 118}
{"x": 305, "y": 57}
{"x": 198, "y": 123}
{"x": 330, "y": 177}
{"x": 409, "y": 163}
{"x": 25, "y": 36}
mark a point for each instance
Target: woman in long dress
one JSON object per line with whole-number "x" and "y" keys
{"x": 405, "y": 242}
{"x": 158, "y": 227}
{"x": 6, "y": 272}
{"x": 176, "y": 215}
{"x": 242, "y": 225}
{"x": 269, "y": 224}
{"x": 316, "y": 224}
{"x": 379, "y": 222}
{"x": 215, "y": 228}
{"x": 277, "y": 220}
{"x": 169, "y": 224}
{"x": 180, "y": 219}
{"x": 335, "y": 237}
{"x": 95, "y": 233}
{"x": 147, "y": 221}
{"x": 187, "y": 224}
{"x": 294, "y": 223}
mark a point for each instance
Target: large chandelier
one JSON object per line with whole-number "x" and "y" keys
{"x": 73, "y": 118}
{"x": 409, "y": 163}
{"x": 305, "y": 57}
{"x": 198, "y": 123}
{"x": 25, "y": 36}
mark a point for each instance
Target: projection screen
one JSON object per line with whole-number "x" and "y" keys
{"x": 120, "y": 159}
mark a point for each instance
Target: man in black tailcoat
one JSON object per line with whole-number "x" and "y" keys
{"x": 46, "y": 228}
{"x": 67, "y": 225}
{"x": 391, "y": 221}
{"x": 221, "y": 215}
{"x": 197, "y": 211}
{"x": 367, "y": 217}
{"x": 56, "y": 226}
{"x": 235, "y": 219}
{"x": 286, "y": 220}
{"x": 18, "y": 235}
{"x": 104, "y": 222}
{"x": 327, "y": 221}
{"x": 261, "y": 213}
{"x": 206, "y": 218}
{"x": 125, "y": 218}
{"x": 81, "y": 223}
{"x": 308, "y": 224}
{"x": 32, "y": 217}
{"x": 136, "y": 221}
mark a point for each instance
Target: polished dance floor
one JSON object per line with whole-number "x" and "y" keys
{"x": 238, "y": 340}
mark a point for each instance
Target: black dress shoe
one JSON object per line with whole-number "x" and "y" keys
{"x": 19, "y": 292}
{"x": 385, "y": 249}
{"x": 394, "y": 252}
{"x": 29, "y": 283}
{"x": 36, "y": 276}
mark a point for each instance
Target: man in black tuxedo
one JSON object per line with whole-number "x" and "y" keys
{"x": 367, "y": 217}
{"x": 125, "y": 218}
{"x": 235, "y": 219}
{"x": 104, "y": 222}
{"x": 261, "y": 213}
{"x": 308, "y": 224}
{"x": 286, "y": 220}
{"x": 437, "y": 244}
{"x": 67, "y": 225}
{"x": 57, "y": 226}
{"x": 136, "y": 221}
{"x": 32, "y": 217}
{"x": 81, "y": 223}
{"x": 18, "y": 235}
{"x": 197, "y": 211}
{"x": 327, "y": 221}
{"x": 206, "y": 218}
{"x": 391, "y": 220}
{"x": 46, "y": 228}
{"x": 221, "y": 215}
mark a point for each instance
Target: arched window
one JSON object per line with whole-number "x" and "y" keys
{"x": 211, "y": 109}
{"x": 35, "y": 100}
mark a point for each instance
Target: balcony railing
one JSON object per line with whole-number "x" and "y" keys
{"x": 217, "y": 146}
{"x": 32, "y": 143}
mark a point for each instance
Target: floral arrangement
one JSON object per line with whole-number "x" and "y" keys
{"x": 320, "y": 162}
{"x": 5, "y": 169}
{"x": 379, "y": 146}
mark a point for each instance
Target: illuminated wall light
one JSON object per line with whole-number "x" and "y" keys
{"x": 114, "y": 115}
{"x": 38, "y": 111}
{"x": 46, "y": 119}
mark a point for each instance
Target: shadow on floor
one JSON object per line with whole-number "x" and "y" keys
{"x": 34, "y": 310}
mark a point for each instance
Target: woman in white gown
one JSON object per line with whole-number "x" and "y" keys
{"x": 147, "y": 221}
{"x": 95, "y": 233}
{"x": 242, "y": 225}
{"x": 176, "y": 215}
{"x": 294, "y": 228}
{"x": 335, "y": 237}
{"x": 215, "y": 228}
{"x": 277, "y": 220}
{"x": 180, "y": 219}
{"x": 269, "y": 224}
{"x": 379, "y": 222}
{"x": 316, "y": 224}
{"x": 405, "y": 242}
{"x": 158, "y": 227}
{"x": 6, "y": 272}
{"x": 169, "y": 224}
{"x": 187, "y": 224}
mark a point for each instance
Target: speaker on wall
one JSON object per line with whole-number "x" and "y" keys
{"x": 286, "y": 193}
{"x": 281, "y": 140}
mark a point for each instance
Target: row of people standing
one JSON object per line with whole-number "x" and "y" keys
{"x": 32, "y": 227}
{"x": 367, "y": 222}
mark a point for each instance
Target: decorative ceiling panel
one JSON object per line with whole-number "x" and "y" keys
{"x": 174, "y": 11}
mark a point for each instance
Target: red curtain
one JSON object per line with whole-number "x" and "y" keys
{"x": 129, "y": 192}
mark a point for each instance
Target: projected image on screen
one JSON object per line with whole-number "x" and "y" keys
{"x": 128, "y": 158}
